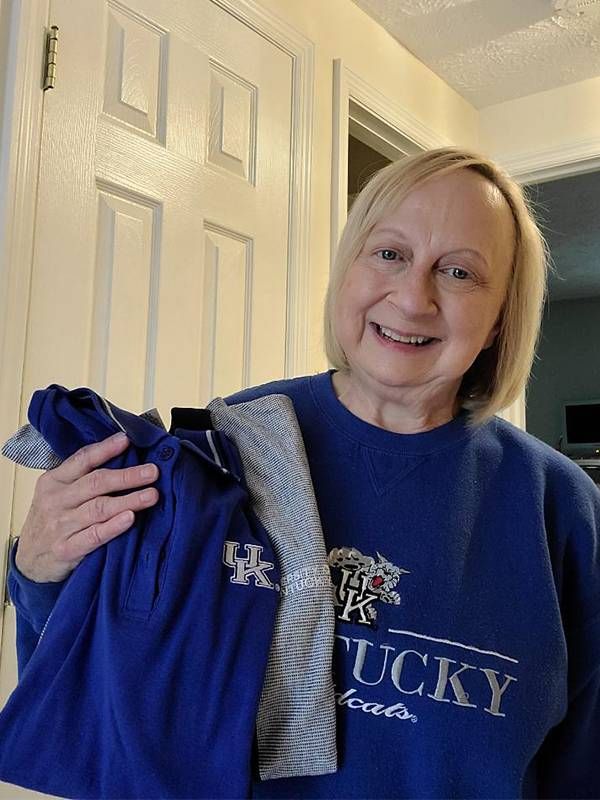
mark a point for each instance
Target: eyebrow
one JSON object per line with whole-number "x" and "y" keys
{"x": 398, "y": 233}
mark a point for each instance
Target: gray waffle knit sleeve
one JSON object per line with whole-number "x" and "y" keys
{"x": 296, "y": 720}
{"x": 28, "y": 448}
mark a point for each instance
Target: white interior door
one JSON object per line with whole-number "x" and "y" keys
{"x": 161, "y": 246}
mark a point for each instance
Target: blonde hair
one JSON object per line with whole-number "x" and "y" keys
{"x": 500, "y": 373}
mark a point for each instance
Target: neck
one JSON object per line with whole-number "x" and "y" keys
{"x": 406, "y": 412}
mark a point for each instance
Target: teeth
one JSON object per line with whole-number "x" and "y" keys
{"x": 404, "y": 339}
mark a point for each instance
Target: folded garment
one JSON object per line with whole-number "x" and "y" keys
{"x": 146, "y": 680}
{"x": 296, "y": 717}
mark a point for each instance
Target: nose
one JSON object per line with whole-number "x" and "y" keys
{"x": 414, "y": 294}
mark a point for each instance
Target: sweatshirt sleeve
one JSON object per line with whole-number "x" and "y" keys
{"x": 569, "y": 760}
{"x": 33, "y": 603}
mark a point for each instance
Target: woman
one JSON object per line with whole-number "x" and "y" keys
{"x": 464, "y": 552}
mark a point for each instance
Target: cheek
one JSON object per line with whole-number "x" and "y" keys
{"x": 359, "y": 291}
{"x": 472, "y": 326}
{"x": 348, "y": 315}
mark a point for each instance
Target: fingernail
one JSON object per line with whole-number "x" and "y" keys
{"x": 149, "y": 471}
{"x": 120, "y": 437}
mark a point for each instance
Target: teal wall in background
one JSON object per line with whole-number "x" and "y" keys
{"x": 567, "y": 367}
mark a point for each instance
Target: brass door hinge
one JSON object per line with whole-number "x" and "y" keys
{"x": 11, "y": 541}
{"x": 50, "y": 66}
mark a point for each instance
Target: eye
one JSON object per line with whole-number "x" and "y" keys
{"x": 388, "y": 255}
{"x": 457, "y": 272}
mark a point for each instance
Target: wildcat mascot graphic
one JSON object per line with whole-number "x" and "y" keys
{"x": 363, "y": 580}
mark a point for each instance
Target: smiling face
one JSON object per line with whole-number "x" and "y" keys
{"x": 438, "y": 267}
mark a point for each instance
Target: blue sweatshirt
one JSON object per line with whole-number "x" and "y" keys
{"x": 467, "y": 573}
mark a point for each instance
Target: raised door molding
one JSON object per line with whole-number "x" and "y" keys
{"x": 301, "y": 51}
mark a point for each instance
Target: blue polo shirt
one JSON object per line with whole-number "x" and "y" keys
{"x": 146, "y": 678}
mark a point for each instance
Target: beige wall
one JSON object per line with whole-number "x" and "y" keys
{"x": 4, "y": 146}
{"x": 339, "y": 29}
{"x": 4, "y": 44}
{"x": 552, "y": 120}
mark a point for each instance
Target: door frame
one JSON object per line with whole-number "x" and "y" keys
{"x": 22, "y": 51}
{"x": 356, "y": 101}
{"x": 22, "y": 40}
{"x": 538, "y": 166}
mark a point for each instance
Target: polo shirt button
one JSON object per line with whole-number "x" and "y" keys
{"x": 165, "y": 452}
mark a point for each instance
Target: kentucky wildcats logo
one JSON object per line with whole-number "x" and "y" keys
{"x": 363, "y": 580}
{"x": 250, "y": 566}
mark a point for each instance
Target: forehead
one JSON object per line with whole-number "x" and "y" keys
{"x": 461, "y": 209}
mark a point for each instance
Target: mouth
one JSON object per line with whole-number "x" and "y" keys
{"x": 413, "y": 339}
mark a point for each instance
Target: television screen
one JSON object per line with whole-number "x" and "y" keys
{"x": 582, "y": 423}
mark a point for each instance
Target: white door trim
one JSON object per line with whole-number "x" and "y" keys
{"x": 350, "y": 89}
{"x": 537, "y": 166}
{"x": 20, "y": 136}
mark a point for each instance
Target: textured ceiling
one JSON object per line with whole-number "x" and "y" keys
{"x": 496, "y": 50}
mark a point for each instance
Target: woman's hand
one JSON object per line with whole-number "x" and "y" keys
{"x": 71, "y": 513}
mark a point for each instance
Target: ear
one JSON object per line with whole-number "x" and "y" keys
{"x": 491, "y": 337}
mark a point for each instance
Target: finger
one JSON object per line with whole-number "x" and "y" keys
{"x": 91, "y": 538}
{"x": 101, "y": 509}
{"x": 89, "y": 457}
{"x": 104, "y": 481}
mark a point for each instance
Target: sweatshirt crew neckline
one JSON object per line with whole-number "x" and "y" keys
{"x": 365, "y": 433}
